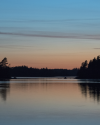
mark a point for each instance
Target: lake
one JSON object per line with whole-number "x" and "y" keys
{"x": 49, "y": 101}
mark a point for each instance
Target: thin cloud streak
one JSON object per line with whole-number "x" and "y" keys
{"x": 18, "y": 47}
{"x": 58, "y": 20}
{"x": 96, "y": 48}
{"x": 52, "y": 35}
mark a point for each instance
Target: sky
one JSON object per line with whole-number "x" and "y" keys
{"x": 49, "y": 33}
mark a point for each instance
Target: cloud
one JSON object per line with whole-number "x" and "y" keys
{"x": 54, "y": 35}
{"x": 96, "y": 48}
{"x": 55, "y": 20}
{"x": 14, "y": 46}
{"x": 21, "y": 47}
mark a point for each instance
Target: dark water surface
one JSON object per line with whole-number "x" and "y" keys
{"x": 49, "y": 101}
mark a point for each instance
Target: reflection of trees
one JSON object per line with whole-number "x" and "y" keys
{"x": 92, "y": 88}
{"x": 4, "y": 89}
{"x": 24, "y": 84}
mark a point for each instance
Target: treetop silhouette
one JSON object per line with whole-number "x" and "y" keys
{"x": 4, "y": 70}
{"x": 3, "y": 63}
{"x": 90, "y": 70}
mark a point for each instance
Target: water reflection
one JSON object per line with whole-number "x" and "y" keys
{"x": 91, "y": 89}
{"x": 4, "y": 89}
{"x": 49, "y": 101}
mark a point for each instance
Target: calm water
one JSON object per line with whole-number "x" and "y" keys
{"x": 49, "y": 101}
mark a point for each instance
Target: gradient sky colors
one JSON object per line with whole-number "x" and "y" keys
{"x": 49, "y": 33}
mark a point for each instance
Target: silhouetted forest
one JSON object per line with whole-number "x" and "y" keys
{"x": 7, "y": 72}
{"x": 24, "y": 71}
{"x": 90, "y": 70}
{"x": 87, "y": 70}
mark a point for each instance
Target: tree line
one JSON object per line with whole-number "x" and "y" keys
{"x": 90, "y": 70}
{"x": 87, "y": 70}
{"x": 6, "y": 72}
{"x": 24, "y": 71}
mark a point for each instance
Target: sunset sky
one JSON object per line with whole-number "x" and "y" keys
{"x": 49, "y": 33}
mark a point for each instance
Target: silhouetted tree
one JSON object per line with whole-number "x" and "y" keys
{"x": 91, "y": 70}
{"x": 4, "y": 70}
{"x": 83, "y": 70}
{"x": 4, "y": 63}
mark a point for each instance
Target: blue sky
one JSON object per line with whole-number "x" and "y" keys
{"x": 42, "y": 29}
